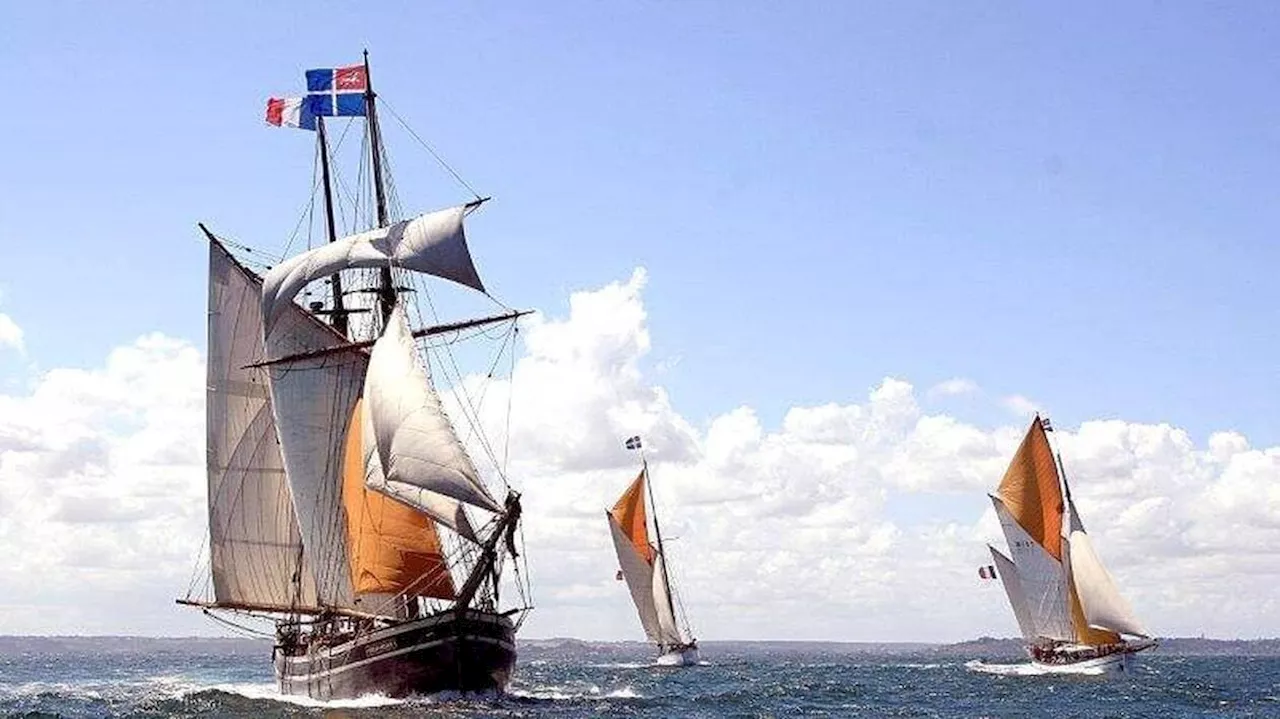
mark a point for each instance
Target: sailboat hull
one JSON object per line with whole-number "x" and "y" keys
{"x": 444, "y": 652}
{"x": 682, "y": 657}
{"x": 1118, "y": 660}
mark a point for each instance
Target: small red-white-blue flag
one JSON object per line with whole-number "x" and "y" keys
{"x": 337, "y": 91}
{"x": 291, "y": 112}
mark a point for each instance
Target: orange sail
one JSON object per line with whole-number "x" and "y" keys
{"x": 1031, "y": 493}
{"x": 394, "y": 549}
{"x": 630, "y": 515}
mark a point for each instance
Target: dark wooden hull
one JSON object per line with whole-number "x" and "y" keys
{"x": 443, "y": 652}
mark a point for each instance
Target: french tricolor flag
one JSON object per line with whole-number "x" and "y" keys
{"x": 291, "y": 112}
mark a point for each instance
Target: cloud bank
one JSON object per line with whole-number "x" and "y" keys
{"x": 860, "y": 521}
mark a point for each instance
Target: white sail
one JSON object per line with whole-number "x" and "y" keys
{"x": 1017, "y": 596}
{"x": 1044, "y": 580}
{"x": 669, "y": 631}
{"x": 445, "y": 510}
{"x": 416, "y": 443}
{"x": 255, "y": 548}
{"x": 312, "y": 398}
{"x": 434, "y": 243}
{"x": 1104, "y": 607}
{"x": 638, "y": 574}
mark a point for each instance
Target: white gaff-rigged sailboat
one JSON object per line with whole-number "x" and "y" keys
{"x": 644, "y": 567}
{"x": 1071, "y": 614}
{"x": 343, "y": 506}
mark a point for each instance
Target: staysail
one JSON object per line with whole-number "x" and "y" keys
{"x": 1101, "y": 604}
{"x": 1012, "y": 581}
{"x": 416, "y": 444}
{"x": 255, "y": 547}
{"x": 445, "y": 510}
{"x": 394, "y": 549}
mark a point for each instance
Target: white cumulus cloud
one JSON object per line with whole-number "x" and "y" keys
{"x": 954, "y": 387}
{"x": 853, "y": 521}
{"x": 10, "y": 333}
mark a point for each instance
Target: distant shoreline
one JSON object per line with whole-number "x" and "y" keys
{"x": 981, "y": 647}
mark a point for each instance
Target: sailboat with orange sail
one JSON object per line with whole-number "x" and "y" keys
{"x": 644, "y": 567}
{"x": 1071, "y": 614}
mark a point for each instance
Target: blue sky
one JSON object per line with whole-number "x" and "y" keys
{"x": 1073, "y": 205}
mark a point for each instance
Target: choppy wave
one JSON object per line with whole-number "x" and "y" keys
{"x": 574, "y": 692}
{"x": 573, "y": 682}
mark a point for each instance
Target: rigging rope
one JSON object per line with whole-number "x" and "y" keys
{"x": 430, "y": 149}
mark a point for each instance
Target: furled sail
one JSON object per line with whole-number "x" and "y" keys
{"x": 1017, "y": 597}
{"x": 416, "y": 443}
{"x": 313, "y": 397}
{"x": 1101, "y": 603}
{"x": 393, "y": 548}
{"x": 255, "y": 548}
{"x": 1044, "y": 581}
{"x": 434, "y": 243}
{"x": 445, "y": 510}
{"x": 638, "y": 573}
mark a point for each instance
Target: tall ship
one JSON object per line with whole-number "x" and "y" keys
{"x": 1068, "y": 608}
{"x": 347, "y": 517}
{"x": 644, "y": 567}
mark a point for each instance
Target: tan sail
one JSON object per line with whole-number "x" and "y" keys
{"x": 393, "y": 549}
{"x": 1031, "y": 493}
{"x": 254, "y": 545}
{"x": 629, "y": 513}
{"x": 1086, "y": 634}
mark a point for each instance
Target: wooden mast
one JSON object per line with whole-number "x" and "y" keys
{"x": 339, "y": 313}
{"x": 386, "y": 291}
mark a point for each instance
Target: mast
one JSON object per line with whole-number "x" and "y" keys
{"x": 339, "y": 313}
{"x": 662, "y": 552}
{"x": 386, "y": 291}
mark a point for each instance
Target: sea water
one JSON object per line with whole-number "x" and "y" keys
{"x": 202, "y": 678}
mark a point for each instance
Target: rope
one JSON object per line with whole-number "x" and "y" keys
{"x": 430, "y": 149}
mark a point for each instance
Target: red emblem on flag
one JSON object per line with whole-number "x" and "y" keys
{"x": 350, "y": 78}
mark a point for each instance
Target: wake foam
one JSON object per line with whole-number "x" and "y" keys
{"x": 563, "y": 693}
{"x": 1029, "y": 669}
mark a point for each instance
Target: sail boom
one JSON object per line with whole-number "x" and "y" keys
{"x": 279, "y": 609}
